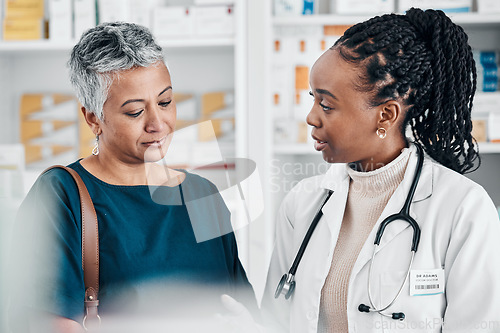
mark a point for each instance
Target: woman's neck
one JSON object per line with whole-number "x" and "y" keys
{"x": 116, "y": 172}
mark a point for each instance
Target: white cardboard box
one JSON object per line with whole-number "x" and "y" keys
{"x": 173, "y": 22}
{"x": 287, "y": 7}
{"x": 448, "y": 6}
{"x": 362, "y": 6}
{"x": 84, "y": 16}
{"x": 113, "y": 10}
{"x": 488, "y": 6}
{"x": 60, "y": 20}
{"x": 214, "y": 20}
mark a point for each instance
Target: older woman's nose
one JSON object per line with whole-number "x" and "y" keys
{"x": 154, "y": 120}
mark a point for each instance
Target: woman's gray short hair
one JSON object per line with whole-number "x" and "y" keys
{"x": 102, "y": 53}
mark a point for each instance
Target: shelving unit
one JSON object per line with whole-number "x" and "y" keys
{"x": 464, "y": 19}
{"x": 17, "y": 47}
{"x": 484, "y": 33}
{"x": 197, "y": 65}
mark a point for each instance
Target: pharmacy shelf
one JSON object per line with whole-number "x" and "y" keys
{"x": 465, "y": 19}
{"x": 308, "y": 149}
{"x": 489, "y": 148}
{"x": 14, "y": 47}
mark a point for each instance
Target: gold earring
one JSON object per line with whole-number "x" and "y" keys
{"x": 381, "y": 132}
{"x": 95, "y": 151}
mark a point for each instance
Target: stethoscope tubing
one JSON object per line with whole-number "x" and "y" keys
{"x": 307, "y": 237}
{"x": 287, "y": 283}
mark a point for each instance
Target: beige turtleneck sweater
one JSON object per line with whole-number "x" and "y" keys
{"x": 369, "y": 193}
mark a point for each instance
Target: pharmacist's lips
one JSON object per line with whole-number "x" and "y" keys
{"x": 318, "y": 140}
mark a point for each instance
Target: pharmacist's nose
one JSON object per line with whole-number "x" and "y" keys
{"x": 312, "y": 118}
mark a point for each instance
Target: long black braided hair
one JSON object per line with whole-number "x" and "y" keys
{"x": 424, "y": 59}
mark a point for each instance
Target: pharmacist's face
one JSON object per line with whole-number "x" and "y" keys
{"x": 139, "y": 115}
{"x": 344, "y": 125}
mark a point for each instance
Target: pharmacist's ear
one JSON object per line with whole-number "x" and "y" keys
{"x": 390, "y": 114}
{"x": 92, "y": 120}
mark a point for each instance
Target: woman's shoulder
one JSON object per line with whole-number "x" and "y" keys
{"x": 56, "y": 178}
{"x": 195, "y": 184}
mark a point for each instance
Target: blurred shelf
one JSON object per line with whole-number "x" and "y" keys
{"x": 489, "y": 148}
{"x": 308, "y": 148}
{"x": 295, "y": 149}
{"x": 14, "y": 47}
{"x": 465, "y": 19}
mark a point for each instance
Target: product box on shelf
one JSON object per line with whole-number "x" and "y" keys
{"x": 60, "y": 20}
{"x": 487, "y": 70}
{"x": 488, "y": 6}
{"x": 354, "y": 7}
{"x": 173, "y": 22}
{"x": 186, "y": 107}
{"x": 51, "y": 130}
{"x": 479, "y": 130}
{"x": 23, "y": 19}
{"x": 448, "y": 6}
{"x": 11, "y": 172}
{"x": 24, "y": 8}
{"x": 213, "y": 103}
{"x": 112, "y": 10}
{"x": 84, "y": 16}
{"x": 214, "y": 20}
{"x": 218, "y": 108}
{"x": 140, "y": 12}
{"x": 494, "y": 127}
{"x": 22, "y": 29}
{"x": 295, "y": 7}
{"x": 213, "y": 2}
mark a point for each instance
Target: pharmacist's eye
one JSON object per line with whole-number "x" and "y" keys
{"x": 311, "y": 93}
{"x": 325, "y": 108}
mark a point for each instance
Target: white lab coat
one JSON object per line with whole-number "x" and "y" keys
{"x": 460, "y": 233}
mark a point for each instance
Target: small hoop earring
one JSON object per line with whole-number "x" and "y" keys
{"x": 95, "y": 151}
{"x": 381, "y": 132}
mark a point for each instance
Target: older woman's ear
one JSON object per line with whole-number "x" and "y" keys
{"x": 92, "y": 120}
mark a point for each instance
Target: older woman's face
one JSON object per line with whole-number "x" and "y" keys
{"x": 139, "y": 115}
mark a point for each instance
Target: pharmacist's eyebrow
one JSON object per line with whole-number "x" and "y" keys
{"x": 141, "y": 100}
{"x": 325, "y": 92}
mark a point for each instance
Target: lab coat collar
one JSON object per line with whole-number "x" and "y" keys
{"x": 337, "y": 179}
{"x": 337, "y": 175}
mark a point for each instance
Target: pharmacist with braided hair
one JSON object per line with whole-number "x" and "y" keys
{"x": 393, "y": 238}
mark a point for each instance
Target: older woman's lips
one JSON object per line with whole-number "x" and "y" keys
{"x": 155, "y": 143}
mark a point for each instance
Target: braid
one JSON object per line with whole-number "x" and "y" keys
{"x": 424, "y": 59}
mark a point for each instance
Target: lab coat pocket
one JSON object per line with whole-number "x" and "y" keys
{"x": 422, "y": 313}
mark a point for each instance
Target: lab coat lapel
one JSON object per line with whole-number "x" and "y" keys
{"x": 423, "y": 191}
{"x": 335, "y": 179}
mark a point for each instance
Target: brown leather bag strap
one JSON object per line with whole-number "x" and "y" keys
{"x": 90, "y": 249}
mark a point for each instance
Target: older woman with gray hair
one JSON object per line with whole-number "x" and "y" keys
{"x": 146, "y": 237}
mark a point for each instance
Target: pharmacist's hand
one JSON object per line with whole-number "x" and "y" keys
{"x": 238, "y": 318}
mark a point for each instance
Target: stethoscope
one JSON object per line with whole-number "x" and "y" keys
{"x": 286, "y": 285}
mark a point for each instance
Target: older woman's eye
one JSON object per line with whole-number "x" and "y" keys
{"x": 164, "y": 104}
{"x": 135, "y": 114}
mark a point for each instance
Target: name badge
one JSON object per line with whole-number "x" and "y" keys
{"x": 426, "y": 282}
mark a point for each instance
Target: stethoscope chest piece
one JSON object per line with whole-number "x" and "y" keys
{"x": 286, "y": 286}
